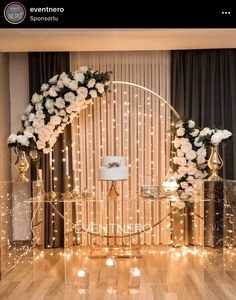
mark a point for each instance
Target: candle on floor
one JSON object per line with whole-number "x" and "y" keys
{"x": 83, "y": 280}
{"x": 111, "y": 270}
{"x": 134, "y": 280}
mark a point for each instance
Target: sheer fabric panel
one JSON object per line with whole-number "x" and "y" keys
{"x": 129, "y": 122}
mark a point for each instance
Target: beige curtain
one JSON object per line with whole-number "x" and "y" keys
{"x": 128, "y": 122}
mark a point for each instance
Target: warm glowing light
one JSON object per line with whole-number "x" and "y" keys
{"x": 170, "y": 184}
{"x": 110, "y": 262}
{"x": 135, "y": 272}
{"x": 81, "y": 273}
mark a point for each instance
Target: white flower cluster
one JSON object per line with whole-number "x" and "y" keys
{"x": 190, "y": 157}
{"x": 214, "y": 136}
{"x": 63, "y": 97}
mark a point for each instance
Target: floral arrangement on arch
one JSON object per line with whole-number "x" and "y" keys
{"x": 190, "y": 143}
{"x": 59, "y": 100}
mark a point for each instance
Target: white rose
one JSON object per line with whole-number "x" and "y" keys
{"x": 192, "y": 170}
{"x": 180, "y": 131}
{"x": 60, "y": 84}
{"x": 74, "y": 107}
{"x": 100, "y": 87}
{"x": 23, "y": 140}
{"x": 46, "y": 150}
{"x": 38, "y": 123}
{"x": 69, "y": 97}
{"x": 190, "y": 179}
{"x": 66, "y": 81}
{"x": 65, "y": 119}
{"x": 184, "y": 141}
{"x": 180, "y": 153}
{"x": 26, "y": 124}
{"x": 191, "y": 164}
{"x": 31, "y": 117}
{"x": 196, "y": 143}
{"x": 191, "y": 124}
{"x": 182, "y": 161}
{"x": 55, "y": 120}
{"x": 91, "y": 83}
{"x": 205, "y": 131}
{"x": 83, "y": 69}
{"x": 226, "y": 134}
{"x": 40, "y": 145}
{"x": 36, "y": 98}
{"x": 29, "y": 135}
{"x": 201, "y": 152}
{"x": 217, "y": 138}
{"x": 184, "y": 184}
{"x": 186, "y": 147}
{"x": 28, "y": 109}
{"x": 60, "y": 103}
{"x": 191, "y": 155}
{"x": 93, "y": 93}
{"x": 82, "y": 92}
{"x": 44, "y": 136}
{"x": 45, "y": 94}
{"x": 177, "y": 175}
{"x": 63, "y": 75}
{"x": 87, "y": 102}
{"x": 177, "y": 143}
{"x": 201, "y": 160}
{"x": 38, "y": 106}
{"x": 52, "y": 91}
{"x": 44, "y": 87}
{"x": 39, "y": 114}
{"x": 73, "y": 85}
{"x": 79, "y": 77}
{"x": 203, "y": 166}
{"x": 49, "y": 104}
{"x": 62, "y": 113}
{"x": 195, "y": 132}
{"x": 12, "y": 138}
{"x": 189, "y": 190}
{"x": 199, "y": 175}
{"x": 30, "y": 129}
{"x": 51, "y": 111}
{"x": 53, "y": 79}
{"x": 182, "y": 170}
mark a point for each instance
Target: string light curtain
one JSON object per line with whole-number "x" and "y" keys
{"x": 128, "y": 122}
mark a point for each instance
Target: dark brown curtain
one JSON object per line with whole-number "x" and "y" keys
{"x": 43, "y": 66}
{"x": 203, "y": 88}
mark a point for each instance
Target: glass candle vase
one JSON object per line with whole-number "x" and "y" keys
{"x": 134, "y": 280}
{"x": 83, "y": 281}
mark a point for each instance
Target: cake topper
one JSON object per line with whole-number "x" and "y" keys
{"x": 113, "y": 165}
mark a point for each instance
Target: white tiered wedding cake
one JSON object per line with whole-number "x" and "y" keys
{"x": 113, "y": 168}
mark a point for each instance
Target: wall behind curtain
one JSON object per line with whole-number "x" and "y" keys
{"x": 42, "y": 66}
{"x": 129, "y": 122}
{"x": 203, "y": 88}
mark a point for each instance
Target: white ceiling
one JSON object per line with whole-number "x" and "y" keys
{"x": 26, "y": 40}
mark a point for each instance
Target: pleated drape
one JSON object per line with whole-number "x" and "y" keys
{"x": 203, "y": 87}
{"x": 42, "y": 66}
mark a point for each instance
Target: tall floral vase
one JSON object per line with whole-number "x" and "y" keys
{"x": 215, "y": 163}
{"x": 22, "y": 166}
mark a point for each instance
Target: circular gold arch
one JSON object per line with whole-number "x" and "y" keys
{"x": 150, "y": 91}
